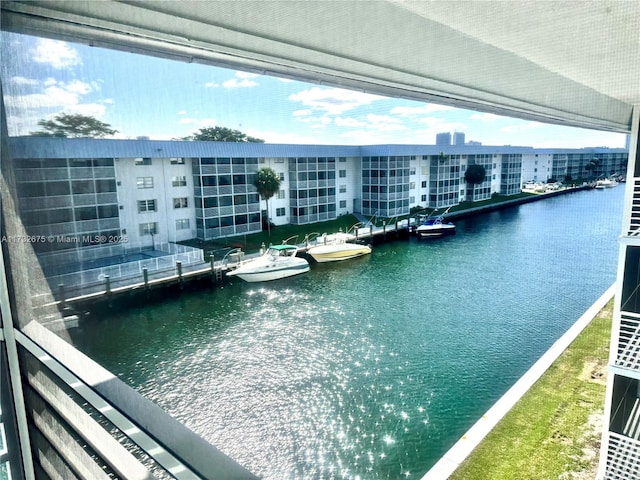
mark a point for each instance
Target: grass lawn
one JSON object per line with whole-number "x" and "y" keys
{"x": 554, "y": 431}
{"x": 251, "y": 243}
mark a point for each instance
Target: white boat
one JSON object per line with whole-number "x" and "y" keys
{"x": 606, "y": 183}
{"x": 435, "y": 227}
{"x": 279, "y": 261}
{"x": 336, "y": 247}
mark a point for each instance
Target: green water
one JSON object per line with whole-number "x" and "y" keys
{"x": 374, "y": 367}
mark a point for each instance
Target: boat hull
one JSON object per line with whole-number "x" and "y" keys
{"x": 268, "y": 273}
{"x": 336, "y": 253}
{"x": 435, "y": 231}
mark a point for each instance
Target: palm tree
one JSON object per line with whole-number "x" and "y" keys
{"x": 267, "y": 182}
{"x": 474, "y": 175}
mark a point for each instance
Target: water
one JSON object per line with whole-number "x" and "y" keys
{"x": 374, "y": 367}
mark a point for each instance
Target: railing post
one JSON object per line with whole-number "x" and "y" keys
{"x": 107, "y": 284}
{"x": 179, "y": 267}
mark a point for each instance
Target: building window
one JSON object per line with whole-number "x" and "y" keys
{"x": 412, "y": 200}
{"x": 177, "y": 161}
{"x": 412, "y": 185}
{"x": 280, "y": 212}
{"x": 342, "y": 173}
{"x": 281, "y": 176}
{"x": 143, "y": 161}
{"x": 182, "y": 224}
{"x": 424, "y": 184}
{"x": 343, "y": 189}
{"x": 342, "y": 159}
{"x": 144, "y": 182}
{"x": 179, "y": 181}
{"x": 412, "y": 171}
{"x": 146, "y": 206}
{"x": 423, "y": 198}
{"x": 343, "y": 204}
{"x": 180, "y": 202}
{"x": 280, "y": 194}
{"x": 278, "y": 160}
{"x": 150, "y": 228}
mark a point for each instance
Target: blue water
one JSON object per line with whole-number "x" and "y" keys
{"x": 374, "y": 367}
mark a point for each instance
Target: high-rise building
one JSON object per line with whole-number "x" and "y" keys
{"x": 458, "y": 138}
{"x": 443, "y": 138}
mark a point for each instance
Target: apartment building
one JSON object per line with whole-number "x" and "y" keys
{"x": 89, "y": 194}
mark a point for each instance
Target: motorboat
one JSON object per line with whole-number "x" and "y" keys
{"x": 606, "y": 183}
{"x": 278, "y": 261}
{"x": 336, "y": 247}
{"x": 435, "y": 227}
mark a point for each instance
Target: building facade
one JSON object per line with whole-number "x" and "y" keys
{"x": 92, "y": 193}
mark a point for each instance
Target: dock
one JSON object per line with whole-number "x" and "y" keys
{"x": 212, "y": 272}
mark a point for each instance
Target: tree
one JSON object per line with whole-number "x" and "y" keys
{"x": 222, "y": 134}
{"x": 74, "y": 125}
{"x": 267, "y": 182}
{"x": 474, "y": 175}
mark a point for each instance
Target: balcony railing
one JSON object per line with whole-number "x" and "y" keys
{"x": 80, "y": 429}
{"x": 623, "y": 458}
{"x": 629, "y": 341}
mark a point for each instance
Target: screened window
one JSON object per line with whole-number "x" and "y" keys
{"x": 182, "y": 202}
{"x": 150, "y": 228}
{"x": 144, "y": 182}
{"x": 179, "y": 181}
{"x": 146, "y": 206}
{"x": 182, "y": 224}
{"x": 143, "y": 161}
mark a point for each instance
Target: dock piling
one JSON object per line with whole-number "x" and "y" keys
{"x": 145, "y": 276}
{"x": 179, "y": 267}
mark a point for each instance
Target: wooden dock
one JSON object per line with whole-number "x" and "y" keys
{"x": 213, "y": 273}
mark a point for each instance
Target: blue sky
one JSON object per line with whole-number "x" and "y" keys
{"x": 163, "y": 99}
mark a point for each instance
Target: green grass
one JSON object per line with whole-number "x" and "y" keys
{"x": 251, "y": 243}
{"x": 548, "y": 432}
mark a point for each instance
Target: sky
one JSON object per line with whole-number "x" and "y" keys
{"x": 165, "y": 99}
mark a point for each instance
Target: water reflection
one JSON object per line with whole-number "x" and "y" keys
{"x": 374, "y": 367}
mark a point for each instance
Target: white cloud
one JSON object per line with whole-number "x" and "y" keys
{"x": 421, "y": 110}
{"x": 316, "y": 122}
{"x": 349, "y": 122}
{"x": 524, "y": 127}
{"x": 198, "y": 122}
{"x": 235, "y": 83}
{"x": 182, "y": 112}
{"x": 90, "y": 109}
{"x": 212, "y": 85}
{"x": 81, "y": 88}
{"x": 333, "y": 101}
{"x": 108, "y": 101}
{"x": 56, "y": 53}
{"x": 302, "y": 113}
{"x": 18, "y": 80}
{"x": 279, "y": 137}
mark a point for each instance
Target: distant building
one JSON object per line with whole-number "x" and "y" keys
{"x": 443, "y": 138}
{"x": 474, "y": 142}
{"x": 458, "y": 138}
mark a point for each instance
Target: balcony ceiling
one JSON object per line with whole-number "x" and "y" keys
{"x": 567, "y": 62}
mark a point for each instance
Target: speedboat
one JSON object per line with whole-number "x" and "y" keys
{"x": 278, "y": 261}
{"x": 606, "y": 183}
{"x": 435, "y": 227}
{"x": 336, "y": 247}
